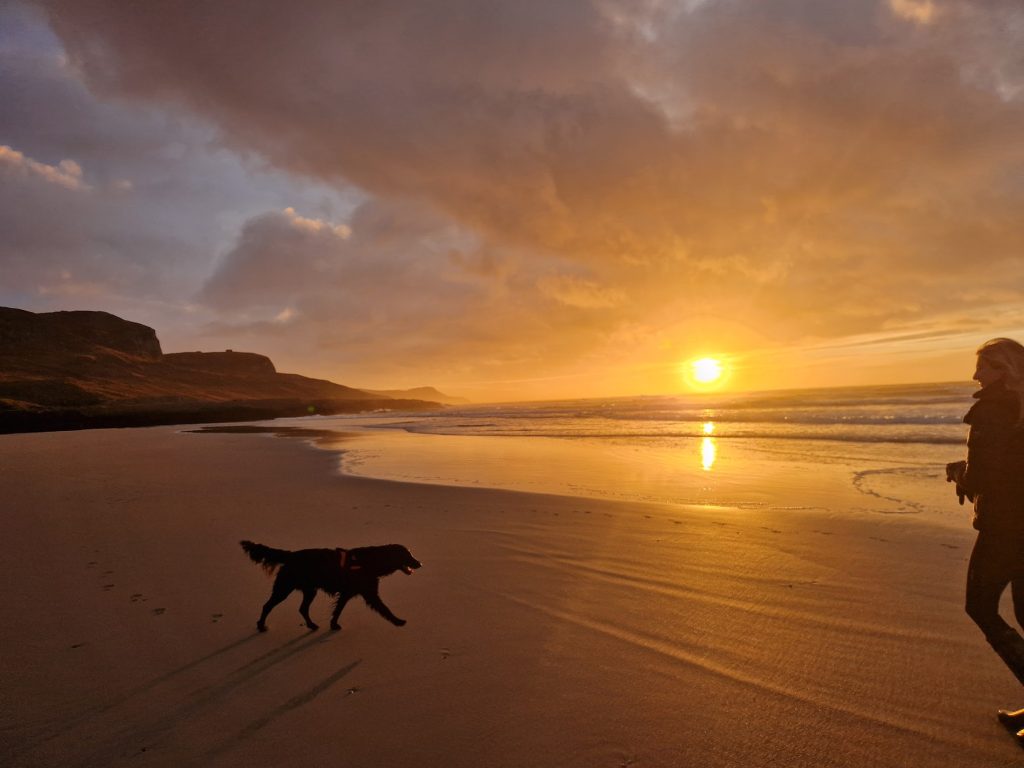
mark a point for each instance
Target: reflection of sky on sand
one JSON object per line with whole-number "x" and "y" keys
{"x": 707, "y": 470}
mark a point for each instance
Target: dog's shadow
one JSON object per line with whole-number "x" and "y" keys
{"x": 293, "y": 703}
{"x": 210, "y": 695}
{"x": 140, "y": 719}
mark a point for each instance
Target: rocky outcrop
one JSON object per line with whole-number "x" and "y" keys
{"x": 229, "y": 362}
{"x": 52, "y": 334}
{"x": 71, "y": 370}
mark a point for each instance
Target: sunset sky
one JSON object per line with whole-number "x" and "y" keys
{"x": 517, "y": 199}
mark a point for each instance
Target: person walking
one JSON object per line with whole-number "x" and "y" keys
{"x": 992, "y": 477}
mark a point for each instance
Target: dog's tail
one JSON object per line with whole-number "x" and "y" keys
{"x": 271, "y": 559}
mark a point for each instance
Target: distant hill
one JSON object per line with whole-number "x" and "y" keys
{"x": 70, "y": 370}
{"x": 419, "y": 393}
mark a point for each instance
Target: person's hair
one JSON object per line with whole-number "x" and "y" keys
{"x": 1007, "y": 355}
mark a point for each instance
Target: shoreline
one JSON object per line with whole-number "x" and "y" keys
{"x": 131, "y": 417}
{"x": 614, "y": 631}
{"x": 692, "y": 472}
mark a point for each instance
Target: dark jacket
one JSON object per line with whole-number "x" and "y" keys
{"x": 995, "y": 460}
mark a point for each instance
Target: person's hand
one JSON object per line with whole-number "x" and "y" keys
{"x": 955, "y": 471}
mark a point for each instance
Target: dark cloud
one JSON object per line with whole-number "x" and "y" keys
{"x": 106, "y": 203}
{"x": 493, "y": 111}
{"x": 523, "y": 119}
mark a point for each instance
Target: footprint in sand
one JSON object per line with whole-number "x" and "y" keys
{"x": 91, "y": 564}
{"x": 951, "y": 546}
{"x": 78, "y": 645}
{"x": 107, "y": 587}
{"x": 445, "y": 653}
{"x": 136, "y": 597}
{"x": 216, "y": 617}
{"x": 159, "y": 611}
{"x": 353, "y": 689}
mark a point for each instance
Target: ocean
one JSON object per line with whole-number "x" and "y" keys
{"x": 859, "y": 450}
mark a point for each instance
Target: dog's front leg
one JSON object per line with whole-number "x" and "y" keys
{"x": 339, "y": 606}
{"x": 373, "y": 600}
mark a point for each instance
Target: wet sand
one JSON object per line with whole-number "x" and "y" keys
{"x": 543, "y": 630}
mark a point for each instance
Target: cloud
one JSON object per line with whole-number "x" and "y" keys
{"x": 394, "y": 290}
{"x": 277, "y": 256}
{"x": 67, "y": 173}
{"x": 387, "y": 270}
{"x": 578, "y": 292}
{"x": 920, "y": 11}
{"x": 565, "y": 174}
{"x": 491, "y": 111}
{"x": 112, "y": 204}
{"x": 537, "y": 127}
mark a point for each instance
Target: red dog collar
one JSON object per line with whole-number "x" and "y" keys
{"x": 344, "y": 561}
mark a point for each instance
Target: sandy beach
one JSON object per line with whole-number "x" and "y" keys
{"x": 542, "y": 630}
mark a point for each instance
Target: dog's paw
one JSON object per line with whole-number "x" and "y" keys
{"x": 399, "y": 622}
{"x": 261, "y": 627}
{"x": 335, "y": 627}
{"x": 313, "y": 627}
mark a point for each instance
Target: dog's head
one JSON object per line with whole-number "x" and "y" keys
{"x": 385, "y": 560}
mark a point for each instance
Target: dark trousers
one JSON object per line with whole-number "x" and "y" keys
{"x": 996, "y": 561}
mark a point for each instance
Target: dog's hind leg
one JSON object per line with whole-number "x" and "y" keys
{"x": 339, "y": 606}
{"x": 279, "y": 593}
{"x": 307, "y": 600}
{"x": 373, "y": 600}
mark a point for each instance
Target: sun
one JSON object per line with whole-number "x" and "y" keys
{"x": 708, "y": 373}
{"x": 706, "y": 370}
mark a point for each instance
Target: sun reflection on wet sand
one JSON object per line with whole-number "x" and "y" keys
{"x": 687, "y": 469}
{"x": 708, "y": 449}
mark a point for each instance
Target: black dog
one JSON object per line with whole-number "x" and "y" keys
{"x": 341, "y": 572}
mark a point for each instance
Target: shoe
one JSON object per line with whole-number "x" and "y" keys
{"x": 1012, "y": 720}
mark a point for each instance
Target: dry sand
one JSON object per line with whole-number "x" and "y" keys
{"x": 543, "y": 630}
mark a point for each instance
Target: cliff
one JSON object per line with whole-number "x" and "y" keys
{"x": 229, "y": 362}
{"x": 54, "y": 336}
{"x": 69, "y": 370}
